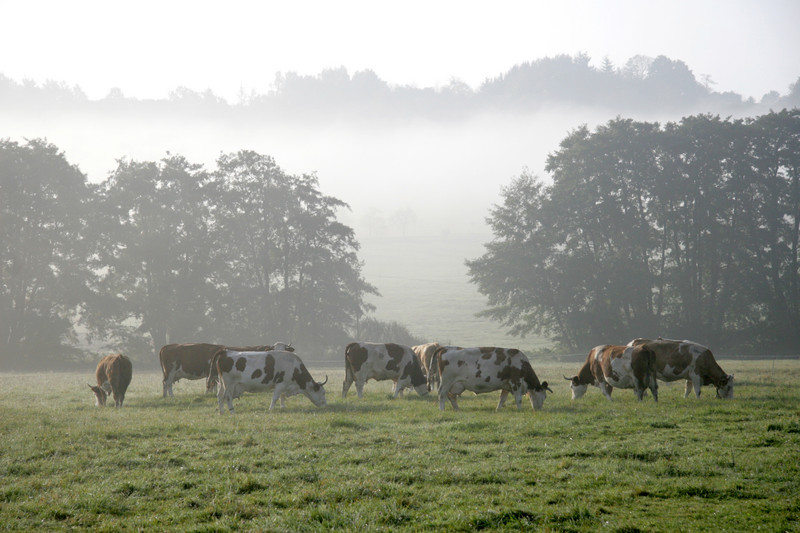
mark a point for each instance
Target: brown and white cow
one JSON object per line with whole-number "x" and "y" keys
{"x": 113, "y": 375}
{"x": 372, "y": 360}
{"x": 608, "y": 366}
{"x": 489, "y": 369}
{"x": 279, "y": 371}
{"x": 687, "y": 360}
{"x": 193, "y": 361}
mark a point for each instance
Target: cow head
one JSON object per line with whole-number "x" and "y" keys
{"x": 283, "y": 347}
{"x": 538, "y": 395}
{"x": 578, "y": 388}
{"x": 725, "y": 387}
{"x": 316, "y": 393}
{"x": 100, "y": 395}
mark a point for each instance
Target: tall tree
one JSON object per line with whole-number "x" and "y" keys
{"x": 291, "y": 268}
{"x": 153, "y": 253}
{"x": 690, "y": 230}
{"x": 43, "y": 253}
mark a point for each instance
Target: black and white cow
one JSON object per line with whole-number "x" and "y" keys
{"x": 279, "y": 371}
{"x": 489, "y": 369}
{"x": 371, "y": 360}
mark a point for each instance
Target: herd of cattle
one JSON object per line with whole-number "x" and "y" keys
{"x": 450, "y": 369}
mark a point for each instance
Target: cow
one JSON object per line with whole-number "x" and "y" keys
{"x": 687, "y": 360}
{"x": 371, "y": 360}
{"x": 249, "y": 371}
{"x": 608, "y": 366}
{"x": 193, "y": 361}
{"x": 489, "y": 369}
{"x": 113, "y": 375}
{"x": 425, "y": 355}
{"x": 211, "y": 379}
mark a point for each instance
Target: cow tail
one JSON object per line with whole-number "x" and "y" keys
{"x": 213, "y": 372}
{"x": 652, "y": 383}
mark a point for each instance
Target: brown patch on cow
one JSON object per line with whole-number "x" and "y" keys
{"x": 680, "y": 359}
{"x": 500, "y": 357}
{"x": 269, "y": 369}
{"x": 478, "y": 373}
{"x": 461, "y": 363}
{"x": 224, "y": 363}
{"x": 414, "y": 370}
{"x": 279, "y": 376}
{"x": 356, "y": 355}
{"x": 486, "y": 352}
{"x": 488, "y": 379}
{"x": 396, "y": 353}
{"x": 511, "y": 374}
{"x": 302, "y": 377}
{"x": 530, "y": 377}
{"x": 241, "y": 364}
{"x": 256, "y": 374}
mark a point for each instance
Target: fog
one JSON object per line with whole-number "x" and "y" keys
{"x": 419, "y": 190}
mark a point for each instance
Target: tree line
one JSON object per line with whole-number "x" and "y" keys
{"x": 168, "y": 251}
{"x": 643, "y": 83}
{"x": 688, "y": 229}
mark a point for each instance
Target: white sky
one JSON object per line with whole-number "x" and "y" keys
{"x": 148, "y": 48}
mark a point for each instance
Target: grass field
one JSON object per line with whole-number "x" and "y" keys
{"x": 401, "y": 465}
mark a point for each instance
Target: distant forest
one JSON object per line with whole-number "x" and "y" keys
{"x": 688, "y": 230}
{"x": 641, "y": 84}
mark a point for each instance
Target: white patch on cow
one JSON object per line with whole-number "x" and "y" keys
{"x": 578, "y": 390}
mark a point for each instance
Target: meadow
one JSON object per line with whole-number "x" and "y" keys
{"x": 379, "y": 464}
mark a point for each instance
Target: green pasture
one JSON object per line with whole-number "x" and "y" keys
{"x": 379, "y": 464}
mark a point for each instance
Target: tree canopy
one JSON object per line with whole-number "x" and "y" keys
{"x": 167, "y": 251}
{"x": 684, "y": 230}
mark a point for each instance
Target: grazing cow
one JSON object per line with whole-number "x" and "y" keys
{"x": 193, "y": 361}
{"x": 687, "y": 360}
{"x": 113, "y": 375}
{"x": 609, "y": 366}
{"x": 371, "y": 360}
{"x": 280, "y": 371}
{"x": 489, "y": 369}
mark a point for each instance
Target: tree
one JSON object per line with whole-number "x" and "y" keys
{"x": 43, "y": 252}
{"x": 291, "y": 269}
{"x": 153, "y": 253}
{"x": 691, "y": 230}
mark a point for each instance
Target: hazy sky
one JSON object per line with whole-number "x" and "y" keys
{"x": 147, "y": 48}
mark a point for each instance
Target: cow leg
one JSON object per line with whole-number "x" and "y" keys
{"x": 222, "y": 397}
{"x": 275, "y": 397}
{"x": 639, "y": 389}
{"x": 453, "y": 400}
{"x": 348, "y": 380}
{"x": 283, "y": 401}
{"x": 502, "y": 402}
{"x": 698, "y": 385}
{"x": 606, "y": 388}
{"x": 442, "y": 398}
{"x": 360, "y": 388}
{"x": 654, "y": 388}
{"x": 397, "y": 390}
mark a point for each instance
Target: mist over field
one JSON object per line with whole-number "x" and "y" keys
{"x": 419, "y": 169}
{"x": 419, "y": 190}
